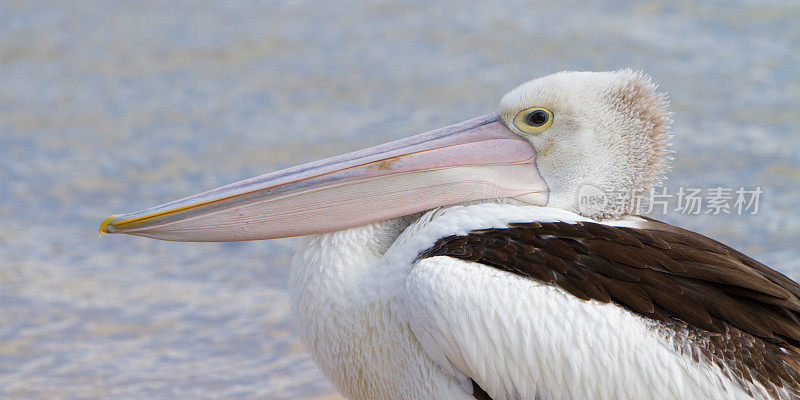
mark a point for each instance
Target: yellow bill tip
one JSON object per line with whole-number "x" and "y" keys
{"x": 105, "y": 223}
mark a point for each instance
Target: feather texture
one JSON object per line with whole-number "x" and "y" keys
{"x": 715, "y": 303}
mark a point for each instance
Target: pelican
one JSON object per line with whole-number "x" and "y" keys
{"x": 459, "y": 263}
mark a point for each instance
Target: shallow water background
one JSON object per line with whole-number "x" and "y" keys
{"x": 114, "y": 106}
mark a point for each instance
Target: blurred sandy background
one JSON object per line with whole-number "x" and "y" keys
{"x": 114, "y": 106}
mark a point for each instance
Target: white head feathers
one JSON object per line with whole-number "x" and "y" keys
{"x": 610, "y": 133}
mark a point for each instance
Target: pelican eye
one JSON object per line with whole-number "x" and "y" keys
{"x": 533, "y": 120}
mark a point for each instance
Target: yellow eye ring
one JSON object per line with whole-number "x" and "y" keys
{"x": 533, "y": 120}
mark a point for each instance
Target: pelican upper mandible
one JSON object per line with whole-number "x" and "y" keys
{"x": 458, "y": 264}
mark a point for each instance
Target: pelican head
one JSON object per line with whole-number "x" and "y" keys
{"x": 551, "y": 137}
{"x": 607, "y": 134}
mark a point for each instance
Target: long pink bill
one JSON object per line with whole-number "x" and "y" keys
{"x": 473, "y": 160}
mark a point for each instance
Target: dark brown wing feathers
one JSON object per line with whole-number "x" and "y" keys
{"x": 478, "y": 393}
{"x": 745, "y": 315}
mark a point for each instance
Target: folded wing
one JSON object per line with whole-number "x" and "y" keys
{"x": 714, "y": 304}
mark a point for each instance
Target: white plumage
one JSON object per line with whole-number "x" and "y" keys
{"x": 407, "y": 329}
